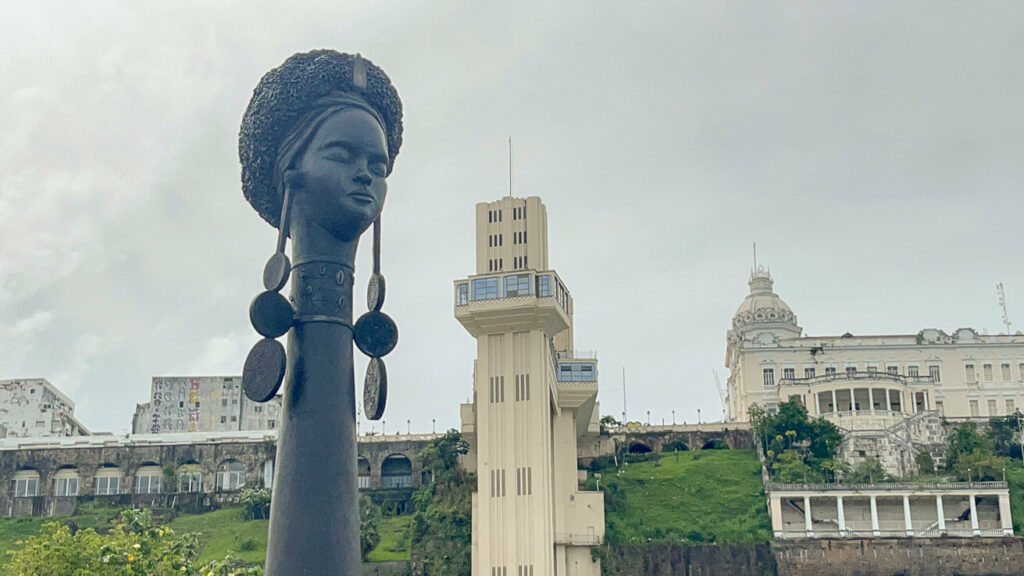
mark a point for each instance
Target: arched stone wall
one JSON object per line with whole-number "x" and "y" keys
{"x": 208, "y": 456}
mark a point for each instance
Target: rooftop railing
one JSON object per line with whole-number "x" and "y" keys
{"x": 882, "y": 486}
{"x": 857, "y": 376}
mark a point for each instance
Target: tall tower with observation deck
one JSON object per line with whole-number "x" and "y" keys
{"x": 534, "y": 397}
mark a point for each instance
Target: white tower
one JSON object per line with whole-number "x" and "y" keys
{"x": 532, "y": 400}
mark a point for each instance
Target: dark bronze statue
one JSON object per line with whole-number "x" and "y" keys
{"x": 317, "y": 143}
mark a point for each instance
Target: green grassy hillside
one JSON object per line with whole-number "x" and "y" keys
{"x": 220, "y": 532}
{"x": 13, "y": 530}
{"x": 706, "y": 496}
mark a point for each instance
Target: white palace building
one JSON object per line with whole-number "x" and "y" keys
{"x": 889, "y": 392}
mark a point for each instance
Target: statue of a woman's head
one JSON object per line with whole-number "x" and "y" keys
{"x": 326, "y": 126}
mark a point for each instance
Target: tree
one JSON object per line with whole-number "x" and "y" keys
{"x": 609, "y": 421}
{"x": 256, "y": 503}
{"x": 132, "y": 548}
{"x": 442, "y": 525}
{"x": 792, "y": 430}
{"x": 972, "y": 456}
{"x": 868, "y": 471}
{"x": 369, "y": 519}
{"x": 1005, "y": 434}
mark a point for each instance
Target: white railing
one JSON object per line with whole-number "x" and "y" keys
{"x": 882, "y": 486}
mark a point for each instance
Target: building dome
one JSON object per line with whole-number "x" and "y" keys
{"x": 763, "y": 308}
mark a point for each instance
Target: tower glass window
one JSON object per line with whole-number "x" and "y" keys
{"x": 576, "y": 372}
{"x": 517, "y": 285}
{"x": 485, "y": 288}
{"x": 544, "y": 286}
{"x": 462, "y": 294}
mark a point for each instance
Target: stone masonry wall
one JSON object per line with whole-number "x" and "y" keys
{"x": 862, "y": 557}
{"x": 901, "y": 557}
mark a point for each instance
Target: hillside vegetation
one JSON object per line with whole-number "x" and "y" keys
{"x": 704, "y": 496}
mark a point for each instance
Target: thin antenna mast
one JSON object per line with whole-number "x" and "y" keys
{"x": 509, "y": 166}
{"x": 623, "y": 395}
{"x": 1002, "y": 303}
{"x": 755, "y": 256}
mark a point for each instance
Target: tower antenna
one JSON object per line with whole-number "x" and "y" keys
{"x": 1002, "y": 303}
{"x": 623, "y": 395}
{"x": 509, "y": 166}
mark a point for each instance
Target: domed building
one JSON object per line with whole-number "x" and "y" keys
{"x": 887, "y": 392}
{"x": 763, "y": 311}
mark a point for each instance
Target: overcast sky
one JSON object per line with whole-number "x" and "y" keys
{"x": 872, "y": 150}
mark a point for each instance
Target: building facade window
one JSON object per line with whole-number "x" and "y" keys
{"x": 892, "y": 369}
{"x": 912, "y": 371}
{"x": 190, "y": 481}
{"x": 974, "y": 407}
{"x": 106, "y": 485}
{"x": 789, "y": 373}
{"x": 148, "y": 484}
{"x": 517, "y": 285}
{"x": 524, "y": 481}
{"x": 1010, "y": 409}
{"x": 808, "y": 372}
{"x": 25, "y": 484}
{"x": 986, "y": 369}
{"x": 65, "y": 486}
{"x": 1004, "y": 368}
{"x": 544, "y": 286}
{"x": 498, "y": 483}
{"x": 577, "y": 372}
{"x": 768, "y": 375}
{"x": 969, "y": 374}
{"x": 485, "y": 288}
{"x": 497, "y": 389}
{"x": 230, "y": 476}
{"x": 830, "y": 371}
{"x": 522, "y": 387}
{"x": 933, "y": 371}
{"x": 992, "y": 408}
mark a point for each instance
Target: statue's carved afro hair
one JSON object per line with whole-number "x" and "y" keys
{"x": 286, "y": 93}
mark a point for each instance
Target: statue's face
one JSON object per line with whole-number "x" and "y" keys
{"x": 344, "y": 169}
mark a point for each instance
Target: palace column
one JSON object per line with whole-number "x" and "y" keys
{"x": 906, "y": 516}
{"x": 808, "y": 526}
{"x": 874, "y": 516}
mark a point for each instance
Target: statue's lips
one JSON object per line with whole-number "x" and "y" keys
{"x": 362, "y": 196}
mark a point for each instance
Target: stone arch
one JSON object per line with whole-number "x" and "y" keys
{"x": 191, "y": 477}
{"x": 638, "y": 447}
{"x": 107, "y": 479}
{"x": 268, "y": 473}
{"x": 715, "y": 444}
{"x": 230, "y": 476}
{"x": 364, "y": 470}
{"x": 25, "y": 483}
{"x": 396, "y": 471}
{"x": 66, "y": 481}
{"x": 149, "y": 478}
{"x": 675, "y": 446}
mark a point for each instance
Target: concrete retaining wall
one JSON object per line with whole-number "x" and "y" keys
{"x": 866, "y": 557}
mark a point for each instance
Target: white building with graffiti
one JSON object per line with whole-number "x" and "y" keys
{"x": 202, "y": 404}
